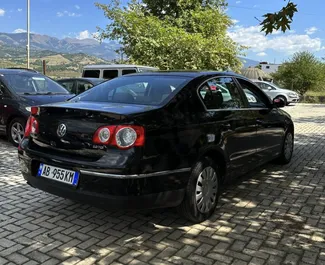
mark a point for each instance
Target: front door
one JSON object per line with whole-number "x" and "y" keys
{"x": 226, "y": 122}
{"x": 270, "y": 129}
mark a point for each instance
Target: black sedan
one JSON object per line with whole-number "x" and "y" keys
{"x": 158, "y": 139}
{"x": 79, "y": 85}
{"x": 19, "y": 90}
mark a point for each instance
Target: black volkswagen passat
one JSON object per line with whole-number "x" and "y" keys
{"x": 158, "y": 139}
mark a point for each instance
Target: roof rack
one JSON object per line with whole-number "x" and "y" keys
{"x": 22, "y": 68}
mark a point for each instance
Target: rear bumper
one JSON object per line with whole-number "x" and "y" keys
{"x": 111, "y": 189}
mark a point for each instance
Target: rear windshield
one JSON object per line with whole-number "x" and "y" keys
{"x": 29, "y": 83}
{"x": 145, "y": 90}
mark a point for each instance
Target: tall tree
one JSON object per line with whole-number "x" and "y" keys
{"x": 173, "y": 34}
{"x": 303, "y": 72}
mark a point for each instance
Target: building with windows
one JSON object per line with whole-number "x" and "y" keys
{"x": 269, "y": 68}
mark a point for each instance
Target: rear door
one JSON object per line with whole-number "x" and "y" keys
{"x": 226, "y": 123}
{"x": 270, "y": 127}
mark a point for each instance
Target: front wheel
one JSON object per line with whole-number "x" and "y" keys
{"x": 284, "y": 99}
{"x": 16, "y": 130}
{"x": 287, "y": 149}
{"x": 202, "y": 191}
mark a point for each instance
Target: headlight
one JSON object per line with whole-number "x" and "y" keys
{"x": 292, "y": 94}
{"x": 29, "y": 109}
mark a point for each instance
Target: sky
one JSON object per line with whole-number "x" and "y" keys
{"x": 79, "y": 19}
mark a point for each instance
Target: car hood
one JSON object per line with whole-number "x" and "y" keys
{"x": 118, "y": 108}
{"x": 33, "y": 100}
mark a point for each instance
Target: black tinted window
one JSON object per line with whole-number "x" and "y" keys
{"x": 221, "y": 93}
{"x": 91, "y": 73}
{"x": 68, "y": 85}
{"x": 83, "y": 86}
{"x": 110, "y": 74}
{"x": 255, "y": 98}
{"x": 148, "y": 90}
{"x": 128, "y": 71}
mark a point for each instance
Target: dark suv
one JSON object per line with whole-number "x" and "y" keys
{"x": 155, "y": 140}
{"x": 19, "y": 90}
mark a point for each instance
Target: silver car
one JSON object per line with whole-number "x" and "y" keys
{"x": 273, "y": 91}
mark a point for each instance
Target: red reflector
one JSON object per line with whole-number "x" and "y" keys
{"x": 34, "y": 110}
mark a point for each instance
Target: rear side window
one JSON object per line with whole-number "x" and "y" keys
{"x": 221, "y": 93}
{"x": 255, "y": 97}
{"x": 83, "y": 86}
{"x": 110, "y": 74}
{"x": 144, "y": 90}
{"x": 128, "y": 71}
{"x": 91, "y": 73}
{"x": 68, "y": 85}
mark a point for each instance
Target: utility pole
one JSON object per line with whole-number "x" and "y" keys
{"x": 28, "y": 32}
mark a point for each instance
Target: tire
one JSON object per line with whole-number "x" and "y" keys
{"x": 199, "y": 210}
{"x": 284, "y": 99}
{"x": 15, "y": 124}
{"x": 287, "y": 149}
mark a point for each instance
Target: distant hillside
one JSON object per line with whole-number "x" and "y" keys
{"x": 58, "y": 64}
{"x": 68, "y": 45}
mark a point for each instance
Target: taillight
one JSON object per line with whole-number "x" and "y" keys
{"x": 31, "y": 126}
{"x": 123, "y": 136}
{"x": 104, "y": 135}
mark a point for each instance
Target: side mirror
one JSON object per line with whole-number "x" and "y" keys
{"x": 278, "y": 103}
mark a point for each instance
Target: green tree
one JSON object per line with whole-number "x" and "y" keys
{"x": 170, "y": 34}
{"x": 303, "y": 72}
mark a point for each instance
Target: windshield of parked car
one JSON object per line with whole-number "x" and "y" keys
{"x": 31, "y": 83}
{"x": 137, "y": 89}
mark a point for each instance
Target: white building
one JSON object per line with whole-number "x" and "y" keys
{"x": 269, "y": 68}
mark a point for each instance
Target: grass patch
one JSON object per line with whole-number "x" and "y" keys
{"x": 315, "y": 93}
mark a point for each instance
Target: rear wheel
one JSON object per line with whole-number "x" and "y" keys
{"x": 287, "y": 149}
{"x": 202, "y": 191}
{"x": 16, "y": 130}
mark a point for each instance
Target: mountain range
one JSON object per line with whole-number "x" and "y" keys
{"x": 104, "y": 50}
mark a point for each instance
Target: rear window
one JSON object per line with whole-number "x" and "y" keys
{"x": 145, "y": 90}
{"x": 91, "y": 73}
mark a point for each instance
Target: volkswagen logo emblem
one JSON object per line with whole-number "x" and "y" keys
{"x": 62, "y": 130}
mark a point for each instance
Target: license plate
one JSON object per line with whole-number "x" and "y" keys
{"x": 58, "y": 174}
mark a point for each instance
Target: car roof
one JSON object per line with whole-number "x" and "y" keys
{"x": 114, "y": 66}
{"x": 82, "y": 78}
{"x": 18, "y": 71}
{"x": 186, "y": 73}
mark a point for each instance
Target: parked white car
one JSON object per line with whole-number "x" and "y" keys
{"x": 273, "y": 91}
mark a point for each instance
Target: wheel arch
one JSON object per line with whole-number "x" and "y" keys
{"x": 218, "y": 156}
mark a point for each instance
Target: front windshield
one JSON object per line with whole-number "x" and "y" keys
{"x": 33, "y": 84}
{"x": 137, "y": 89}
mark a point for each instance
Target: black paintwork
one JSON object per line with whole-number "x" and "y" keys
{"x": 13, "y": 105}
{"x": 177, "y": 135}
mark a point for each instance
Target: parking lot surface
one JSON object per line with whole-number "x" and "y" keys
{"x": 274, "y": 215}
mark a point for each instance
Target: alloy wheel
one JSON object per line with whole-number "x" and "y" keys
{"x": 17, "y": 132}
